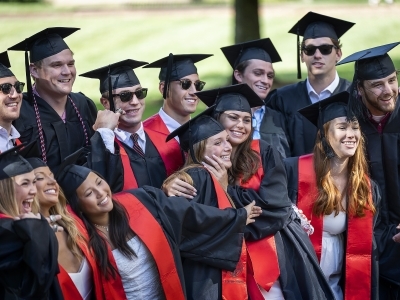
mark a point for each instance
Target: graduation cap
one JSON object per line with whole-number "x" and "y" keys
{"x": 32, "y": 155}
{"x": 120, "y": 74}
{"x": 326, "y": 110}
{"x": 238, "y": 97}
{"x": 13, "y": 164}
{"x": 5, "y": 65}
{"x": 195, "y": 130}
{"x": 43, "y": 44}
{"x": 261, "y": 49}
{"x": 174, "y": 67}
{"x": 313, "y": 26}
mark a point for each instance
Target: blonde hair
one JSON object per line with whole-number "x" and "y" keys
{"x": 358, "y": 188}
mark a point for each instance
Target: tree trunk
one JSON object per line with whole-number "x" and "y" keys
{"x": 247, "y": 26}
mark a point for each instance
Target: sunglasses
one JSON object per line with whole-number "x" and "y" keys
{"x": 127, "y": 96}
{"x": 187, "y": 83}
{"x": 6, "y": 87}
{"x": 324, "y": 49}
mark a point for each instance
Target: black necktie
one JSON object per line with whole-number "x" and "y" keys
{"x": 136, "y": 146}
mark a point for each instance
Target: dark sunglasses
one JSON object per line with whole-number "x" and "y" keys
{"x": 324, "y": 49}
{"x": 127, "y": 96}
{"x": 6, "y": 87}
{"x": 187, "y": 83}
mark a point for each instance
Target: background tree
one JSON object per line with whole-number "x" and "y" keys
{"x": 247, "y": 25}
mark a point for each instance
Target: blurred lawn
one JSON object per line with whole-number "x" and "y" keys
{"x": 110, "y": 33}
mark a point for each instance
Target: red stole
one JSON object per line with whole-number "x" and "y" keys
{"x": 129, "y": 178}
{"x": 3, "y": 216}
{"x": 262, "y": 252}
{"x": 152, "y": 235}
{"x": 68, "y": 288}
{"x": 170, "y": 152}
{"x": 359, "y": 235}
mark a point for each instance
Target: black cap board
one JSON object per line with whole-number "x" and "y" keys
{"x": 261, "y": 49}
{"x": 174, "y": 67}
{"x": 373, "y": 63}
{"x": 5, "y": 65}
{"x": 13, "y": 164}
{"x": 313, "y": 26}
{"x": 238, "y": 97}
{"x": 43, "y": 44}
{"x": 195, "y": 130}
{"x": 71, "y": 177}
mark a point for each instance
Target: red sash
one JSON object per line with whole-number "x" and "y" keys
{"x": 17, "y": 142}
{"x": 68, "y": 288}
{"x": 152, "y": 235}
{"x": 233, "y": 283}
{"x": 359, "y": 235}
{"x": 3, "y": 216}
{"x": 129, "y": 178}
{"x": 262, "y": 252}
{"x": 170, "y": 152}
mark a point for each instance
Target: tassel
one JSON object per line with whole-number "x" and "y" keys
{"x": 298, "y": 55}
{"x": 168, "y": 75}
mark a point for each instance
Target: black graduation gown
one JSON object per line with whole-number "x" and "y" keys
{"x": 206, "y": 238}
{"x": 300, "y": 275}
{"x": 292, "y": 169}
{"x": 273, "y": 131}
{"x": 61, "y": 139}
{"x": 288, "y": 100}
{"x": 28, "y": 260}
{"x": 383, "y": 152}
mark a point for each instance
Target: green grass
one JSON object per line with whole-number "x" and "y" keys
{"x": 122, "y": 32}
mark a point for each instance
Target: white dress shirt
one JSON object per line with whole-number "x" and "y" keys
{"x": 7, "y": 140}
{"x": 171, "y": 123}
{"x": 327, "y": 92}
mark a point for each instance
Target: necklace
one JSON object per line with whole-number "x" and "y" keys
{"x": 101, "y": 226}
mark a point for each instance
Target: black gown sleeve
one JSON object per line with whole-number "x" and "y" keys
{"x": 28, "y": 260}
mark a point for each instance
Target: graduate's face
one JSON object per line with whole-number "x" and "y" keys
{"x": 380, "y": 95}
{"x": 94, "y": 196}
{"x": 182, "y": 102}
{"x": 237, "y": 124}
{"x": 10, "y": 104}
{"x": 47, "y": 187}
{"x": 344, "y": 137}
{"x": 133, "y": 109}
{"x": 319, "y": 64}
{"x": 25, "y": 191}
{"x": 259, "y": 75}
{"x": 219, "y": 146}
{"x": 56, "y": 74}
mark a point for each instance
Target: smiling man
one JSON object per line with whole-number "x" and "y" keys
{"x": 320, "y": 50}
{"x": 378, "y": 106}
{"x": 10, "y": 103}
{"x": 60, "y": 120}
{"x": 179, "y": 81}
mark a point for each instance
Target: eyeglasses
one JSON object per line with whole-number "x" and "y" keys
{"x": 324, "y": 49}
{"x": 187, "y": 83}
{"x": 127, "y": 96}
{"x": 6, "y": 87}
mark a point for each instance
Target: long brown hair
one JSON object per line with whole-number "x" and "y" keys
{"x": 245, "y": 161}
{"x": 358, "y": 188}
{"x": 8, "y": 205}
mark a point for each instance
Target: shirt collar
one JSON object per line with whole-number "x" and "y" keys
{"x": 171, "y": 123}
{"x": 125, "y": 136}
{"x": 331, "y": 88}
{"x": 14, "y": 134}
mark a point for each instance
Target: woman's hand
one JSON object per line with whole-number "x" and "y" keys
{"x": 52, "y": 220}
{"x": 253, "y": 211}
{"x": 179, "y": 188}
{"x": 216, "y": 166}
{"x": 396, "y": 237}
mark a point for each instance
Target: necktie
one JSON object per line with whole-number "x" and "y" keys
{"x": 136, "y": 145}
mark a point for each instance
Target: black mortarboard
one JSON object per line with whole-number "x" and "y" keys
{"x": 238, "y": 97}
{"x": 43, "y": 44}
{"x": 313, "y": 26}
{"x": 5, "y": 65}
{"x": 174, "y": 67}
{"x": 326, "y": 110}
{"x": 261, "y": 49}
{"x": 373, "y": 63}
{"x": 13, "y": 164}
{"x": 195, "y": 130}
{"x": 120, "y": 74}
{"x": 32, "y": 155}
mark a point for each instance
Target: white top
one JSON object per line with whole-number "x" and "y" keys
{"x": 335, "y": 224}
{"x": 171, "y": 123}
{"x": 139, "y": 275}
{"x": 83, "y": 280}
{"x": 7, "y": 140}
{"x": 108, "y": 137}
{"x": 327, "y": 92}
